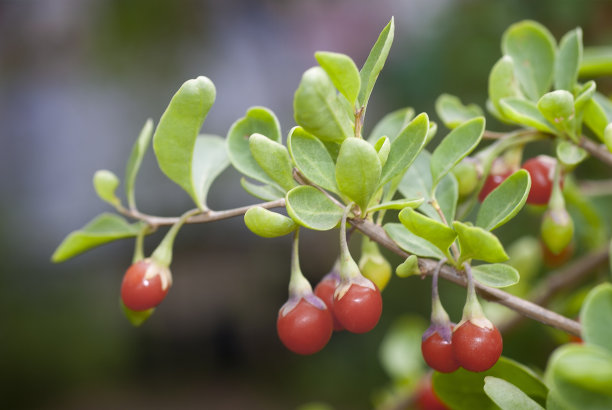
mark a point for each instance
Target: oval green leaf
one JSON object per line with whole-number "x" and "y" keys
{"x": 274, "y": 159}
{"x": 383, "y": 147}
{"x": 503, "y": 83}
{"x": 209, "y": 161}
{"x": 105, "y": 183}
{"x": 596, "y": 317}
{"x": 411, "y": 243}
{"x": 476, "y": 243}
{"x": 318, "y": 109}
{"x": 265, "y": 192}
{"x": 429, "y": 229}
{"x": 598, "y": 114}
{"x": 505, "y": 201}
{"x": 497, "y": 275}
{"x": 391, "y": 124}
{"x": 103, "y": 229}
{"x": 507, "y": 396}
{"x": 342, "y": 71}
{"x": 310, "y": 208}
{"x": 453, "y": 112}
{"x": 268, "y": 224}
{"x": 526, "y": 113}
{"x": 175, "y": 137}
{"x": 397, "y": 204}
{"x": 558, "y": 108}
{"x": 455, "y": 146}
{"x": 570, "y": 154}
{"x": 409, "y": 267}
{"x": 568, "y": 60}
{"x": 375, "y": 62}
{"x": 133, "y": 165}
{"x": 400, "y": 350}
{"x": 358, "y": 171}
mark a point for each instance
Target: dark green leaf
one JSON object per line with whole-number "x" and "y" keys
{"x": 343, "y": 73}
{"x": 310, "y": 208}
{"x": 504, "y": 202}
{"x": 453, "y": 113}
{"x": 375, "y": 62}
{"x": 274, "y": 159}
{"x": 133, "y": 165}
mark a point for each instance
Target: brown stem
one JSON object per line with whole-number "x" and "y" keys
{"x": 599, "y": 151}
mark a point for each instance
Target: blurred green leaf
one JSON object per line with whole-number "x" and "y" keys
{"x": 526, "y": 113}
{"x": 476, "y": 243}
{"x": 570, "y": 154}
{"x": 455, "y": 146}
{"x": 409, "y": 267}
{"x": 598, "y": 114}
{"x": 274, "y": 159}
{"x": 465, "y": 389}
{"x": 343, "y": 73}
{"x": 596, "y": 62}
{"x": 383, "y": 147}
{"x": 558, "y": 108}
{"x": 391, "y": 124}
{"x": 411, "y": 243}
{"x": 583, "y": 95}
{"x": 103, "y": 229}
{"x": 596, "y": 317}
{"x": 310, "y": 208}
{"x": 319, "y": 110}
{"x": 497, "y": 275}
{"x": 429, "y": 229}
{"x": 265, "y": 192}
{"x": 507, "y": 396}
{"x": 503, "y": 83}
{"x": 105, "y": 183}
{"x": 532, "y": 48}
{"x": 375, "y": 62}
{"x": 400, "y": 350}
{"x": 268, "y": 224}
{"x": 175, "y": 137}
{"x": 133, "y": 165}
{"x": 453, "y": 113}
{"x": 358, "y": 171}
{"x": 505, "y": 201}
{"x": 258, "y": 120}
{"x": 397, "y": 204}
{"x": 568, "y": 60}
{"x": 209, "y": 161}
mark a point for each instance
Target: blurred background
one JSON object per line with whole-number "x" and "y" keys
{"x": 78, "y": 79}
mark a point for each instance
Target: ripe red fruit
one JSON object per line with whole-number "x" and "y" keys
{"x": 438, "y": 353}
{"x": 145, "y": 285}
{"x": 476, "y": 348}
{"x": 305, "y": 328}
{"x": 542, "y": 172}
{"x": 498, "y": 174}
{"x": 325, "y": 291}
{"x": 426, "y": 398}
{"x": 359, "y": 307}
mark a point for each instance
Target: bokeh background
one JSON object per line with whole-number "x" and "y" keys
{"x": 79, "y": 78}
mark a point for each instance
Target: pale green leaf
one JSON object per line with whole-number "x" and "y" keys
{"x": 391, "y": 124}
{"x": 447, "y": 195}
{"x": 103, "y": 229}
{"x": 265, "y": 192}
{"x": 507, "y": 396}
{"x": 411, "y": 243}
{"x": 570, "y": 154}
{"x": 258, "y": 120}
{"x": 453, "y": 112}
{"x": 310, "y": 208}
{"x": 429, "y": 229}
{"x": 105, "y": 183}
{"x": 375, "y": 62}
{"x": 533, "y": 50}
{"x": 455, "y": 146}
{"x": 133, "y": 165}
{"x": 596, "y": 317}
{"x": 526, "y": 113}
{"x": 477, "y": 243}
{"x": 400, "y": 350}
{"x": 343, "y": 73}
{"x": 568, "y": 60}
{"x": 503, "y": 83}
{"x": 383, "y": 147}
{"x": 175, "y": 137}
{"x": 209, "y": 160}
{"x": 598, "y": 114}
{"x": 268, "y": 224}
{"x": 397, "y": 204}
{"x": 505, "y": 201}
{"x": 558, "y": 108}
{"x": 409, "y": 267}
{"x": 318, "y": 109}
{"x": 274, "y": 159}
{"x": 358, "y": 171}
{"x": 608, "y": 137}
{"x": 497, "y": 275}
{"x": 596, "y": 61}
{"x": 583, "y": 94}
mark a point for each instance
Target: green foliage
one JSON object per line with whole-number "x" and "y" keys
{"x": 400, "y": 350}
{"x": 453, "y": 112}
{"x": 569, "y": 154}
{"x": 596, "y": 317}
{"x": 429, "y": 229}
{"x": 358, "y": 171}
{"x": 391, "y": 124}
{"x": 375, "y": 62}
{"x": 497, "y": 275}
{"x": 412, "y": 243}
{"x": 476, "y": 243}
{"x": 507, "y": 396}
{"x": 343, "y": 73}
{"x": 504, "y": 202}
{"x": 209, "y": 160}
{"x": 310, "y": 208}
{"x": 105, "y": 184}
{"x": 133, "y": 165}
{"x": 568, "y": 60}
{"x": 274, "y": 159}
{"x": 525, "y": 112}
{"x": 268, "y": 224}
{"x": 409, "y": 267}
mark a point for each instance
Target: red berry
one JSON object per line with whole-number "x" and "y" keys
{"x": 476, "y": 348}
{"x": 359, "y": 308}
{"x": 325, "y": 290}
{"x": 426, "y": 398}
{"x": 145, "y": 285}
{"x": 498, "y": 174}
{"x": 542, "y": 172}
{"x": 305, "y": 329}
{"x": 438, "y": 353}
{"x": 553, "y": 260}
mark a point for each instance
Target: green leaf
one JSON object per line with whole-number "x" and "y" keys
{"x": 568, "y": 60}
{"x": 598, "y": 114}
{"x": 258, "y": 120}
{"x": 375, "y": 62}
{"x": 476, "y": 243}
{"x": 312, "y": 158}
{"x": 429, "y": 229}
{"x": 409, "y": 267}
{"x": 274, "y": 159}
{"x": 105, "y": 183}
{"x": 405, "y": 148}
{"x": 570, "y": 154}
{"x": 310, "y": 208}
{"x": 397, "y": 204}
{"x": 502, "y": 82}
{"x": 465, "y": 389}
{"x": 558, "y": 108}
{"x": 342, "y": 71}
{"x": 319, "y": 110}
{"x": 583, "y": 96}
{"x": 136, "y": 317}
{"x": 391, "y": 124}
{"x": 358, "y": 171}
{"x": 268, "y": 224}
{"x": 175, "y": 137}
{"x": 411, "y": 243}
{"x": 133, "y": 165}
{"x": 209, "y": 161}
{"x": 526, "y": 113}
{"x": 507, "y": 396}
{"x": 455, "y": 146}
{"x": 453, "y": 113}
{"x": 400, "y": 349}
{"x": 103, "y": 229}
{"x": 580, "y": 376}
{"x": 447, "y": 194}
{"x": 596, "y": 61}
{"x": 505, "y": 201}
{"x": 532, "y": 48}
{"x": 596, "y": 317}
{"x": 497, "y": 275}
{"x": 608, "y": 137}
{"x": 383, "y": 147}
{"x": 265, "y": 192}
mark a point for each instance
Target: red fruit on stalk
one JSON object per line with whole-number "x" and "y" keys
{"x": 477, "y": 348}
{"x": 438, "y": 353}
{"x": 426, "y": 398}
{"x": 358, "y": 307}
{"x": 542, "y": 172}
{"x": 145, "y": 284}
{"x": 306, "y": 327}
{"x": 498, "y": 174}
{"x": 325, "y": 291}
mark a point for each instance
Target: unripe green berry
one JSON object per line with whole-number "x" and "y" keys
{"x": 468, "y": 175}
{"x": 557, "y": 229}
{"x": 373, "y": 265}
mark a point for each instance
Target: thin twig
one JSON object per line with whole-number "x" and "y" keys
{"x": 596, "y": 187}
{"x": 493, "y": 135}
{"x": 599, "y": 151}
